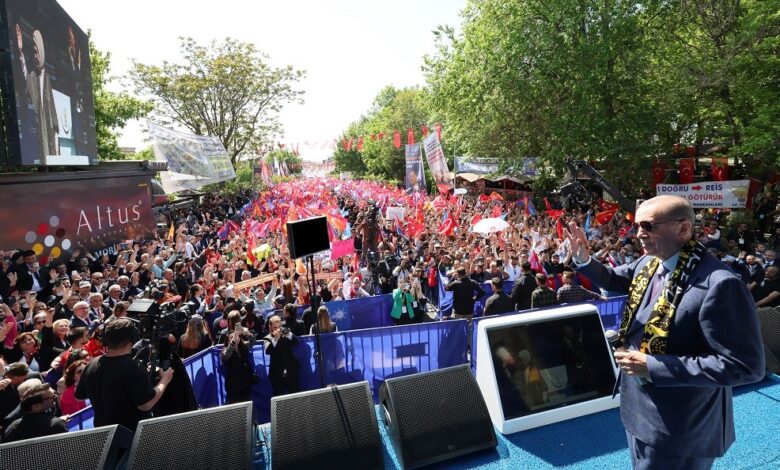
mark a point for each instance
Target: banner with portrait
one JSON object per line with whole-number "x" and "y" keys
{"x": 193, "y": 160}
{"x": 438, "y": 165}
{"x": 415, "y": 178}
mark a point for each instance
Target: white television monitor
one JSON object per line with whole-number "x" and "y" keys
{"x": 543, "y": 367}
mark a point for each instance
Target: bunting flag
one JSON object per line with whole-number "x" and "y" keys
{"x": 659, "y": 172}
{"x": 424, "y": 131}
{"x": 686, "y": 170}
{"x": 603, "y": 218}
{"x": 397, "y": 139}
{"x": 410, "y": 136}
{"x": 349, "y": 144}
{"x": 360, "y": 144}
{"x": 437, "y": 126}
{"x": 720, "y": 168}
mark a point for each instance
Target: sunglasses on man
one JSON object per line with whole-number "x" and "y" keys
{"x": 650, "y": 226}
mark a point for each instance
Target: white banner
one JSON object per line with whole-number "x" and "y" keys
{"x": 395, "y": 213}
{"x": 193, "y": 160}
{"x": 710, "y": 194}
{"x": 437, "y": 163}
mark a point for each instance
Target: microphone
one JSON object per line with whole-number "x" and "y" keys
{"x": 613, "y": 338}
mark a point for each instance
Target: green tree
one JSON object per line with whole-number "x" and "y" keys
{"x": 227, "y": 89}
{"x": 112, "y": 110}
{"x": 393, "y": 110}
{"x": 292, "y": 160}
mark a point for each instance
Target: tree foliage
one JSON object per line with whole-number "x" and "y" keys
{"x": 112, "y": 110}
{"x": 393, "y": 109}
{"x": 226, "y": 89}
{"x": 616, "y": 81}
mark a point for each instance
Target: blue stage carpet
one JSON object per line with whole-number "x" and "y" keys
{"x": 598, "y": 441}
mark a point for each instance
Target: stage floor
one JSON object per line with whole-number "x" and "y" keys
{"x": 598, "y": 441}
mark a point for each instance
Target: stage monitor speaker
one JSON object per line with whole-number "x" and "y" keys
{"x": 142, "y": 307}
{"x": 96, "y": 449}
{"x": 329, "y": 428}
{"x": 307, "y": 237}
{"x": 214, "y": 438}
{"x": 769, "y": 320}
{"x": 435, "y": 416}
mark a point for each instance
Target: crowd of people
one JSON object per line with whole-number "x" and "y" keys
{"x": 66, "y": 324}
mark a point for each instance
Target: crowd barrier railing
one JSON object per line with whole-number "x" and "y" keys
{"x": 372, "y": 354}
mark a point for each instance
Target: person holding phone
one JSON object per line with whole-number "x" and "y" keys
{"x": 236, "y": 360}
{"x": 283, "y": 368}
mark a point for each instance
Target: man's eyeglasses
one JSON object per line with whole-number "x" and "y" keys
{"x": 650, "y": 226}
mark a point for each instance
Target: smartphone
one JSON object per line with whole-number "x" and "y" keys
{"x": 123, "y": 246}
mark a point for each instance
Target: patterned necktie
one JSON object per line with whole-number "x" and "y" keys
{"x": 657, "y": 283}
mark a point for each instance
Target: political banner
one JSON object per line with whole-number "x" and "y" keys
{"x": 477, "y": 165}
{"x": 394, "y": 213}
{"x": 414, "y": 168}
{"x": 193, "y": 160}
{"x": 710, "y": 194}
{"x": 438, "y": 165}
{"x": 339, "y": 248}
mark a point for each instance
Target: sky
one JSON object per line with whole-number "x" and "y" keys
{"x": 350, "y": 49}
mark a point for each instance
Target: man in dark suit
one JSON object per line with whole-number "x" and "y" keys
{"x": 40, "y": 94}
{"x": 690, "y": 333}
{"x": 283, "y": 367}
{"x": 524, "y": 287}
{"x": 499, "y": 302}
{"x": 30, "y": 276}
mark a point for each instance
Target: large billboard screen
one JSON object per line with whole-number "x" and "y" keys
{"x": 62, "y": 216}
{"x": 50, "y": 117}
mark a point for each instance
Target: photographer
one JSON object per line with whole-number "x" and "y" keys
{"x": 118, "y": 387}
{"x": 283, "y": 367}
{"x": 236, "y": 360}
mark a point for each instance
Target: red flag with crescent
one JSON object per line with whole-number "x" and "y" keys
{"x": 720, "y": 168}
{"x": 686, "y": 170}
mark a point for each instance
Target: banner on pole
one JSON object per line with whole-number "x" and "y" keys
{"x": 710, "y": 194}
{"x": 193, "y": 160}
{"x": 438, "y": 165}
{"x": 414, "y": 168}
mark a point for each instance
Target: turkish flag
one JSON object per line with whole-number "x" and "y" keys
{"x": 477, "y": 217}
{"x": 437, "y": 126}
{"x": 496, "y": 211}
{"x": 484, "y": 198}
{"x": 604, "y": 217}
{"x": 607, "y": 206}
{"x": 397, "y": 139}
{"x": 720, "y": 168}
{"x": 686, "y": 170}
{"x": 410, "y": 136}
{"x": 559, "y": 228}
{"x": 424, "y": 131}
{"x": 360, "y": 144}
{"x": 659, "y": 172}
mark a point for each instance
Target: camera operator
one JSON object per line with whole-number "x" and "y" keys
{"x": 116, "y": 385}
{"x": 283, "y": 367}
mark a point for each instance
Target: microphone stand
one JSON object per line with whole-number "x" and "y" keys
{"x": 314, "y": 306}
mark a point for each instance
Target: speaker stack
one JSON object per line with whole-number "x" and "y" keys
{"x": 769, "y": 320}
{"x": 436, "y": 416}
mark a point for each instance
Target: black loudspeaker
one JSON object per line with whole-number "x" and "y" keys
{"x": 435, "y": 416}
{"x": 330, "y": 428}
{"x": 215, "y": 438}
{"x": 96, "y": 449}
{"x": 309, "y": 236}
{"x": 769, "y": 319}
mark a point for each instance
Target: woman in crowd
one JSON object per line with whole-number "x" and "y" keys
{"x": 250, "y": 321}
{"x": 195, "y": 338}
{"x": 290, "y": 320}
{"x": 26, "y": 347}
{"x": 236, "y": 360}
{"x": 69, "y": 404}
{"x": 324, "y": 324}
